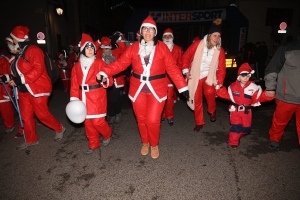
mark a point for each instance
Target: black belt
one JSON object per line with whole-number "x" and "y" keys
{"x": 149, "y": 78}
{"x": 242, "y": 107}
{"x": 89, "y": 87}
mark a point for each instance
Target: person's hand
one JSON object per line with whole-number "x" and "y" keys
{"x": 188, "y": 75}
{"x": 270, "y": 93}
{"x": 101, "y": 78}
{"x": 3, "y": 78}
{"x": 186, "y": 94}
{"x": 14, "y": 81}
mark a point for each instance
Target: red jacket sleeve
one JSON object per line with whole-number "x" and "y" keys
{"x": 221, "y": 71}
{"x": 223, "y": 93}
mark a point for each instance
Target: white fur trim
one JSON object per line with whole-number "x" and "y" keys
{"x": 183, "y": 89}
{"x": 74, "y": 98}
{"x": 105, "y": 46}
{"x": 150, "y": 25}
{"x": 18, "y": 39}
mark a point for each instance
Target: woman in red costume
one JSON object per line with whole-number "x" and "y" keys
{"x": 150, "y": 60}
{"x": 204, "y": 66}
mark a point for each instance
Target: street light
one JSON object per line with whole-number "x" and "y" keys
{"x": 59, "y": 11}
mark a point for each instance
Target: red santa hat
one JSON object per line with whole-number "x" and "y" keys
{"x": 245, "y": 69}
{"x": 20, "y": 33}
{"x": 196, "y": 38}
{"x": 59, "y": 54}
{"x": 105, "y": 43}
{"x": 86, "y": 40}
{"x": 9, "y": 38}
{"x": 168, "y": 31}
{"x": 97, "y": 43}
{"x": 138, "y": 33}
{"x": 150, "y": 23}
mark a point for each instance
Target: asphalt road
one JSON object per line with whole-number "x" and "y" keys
{"x": 191, "y": 166}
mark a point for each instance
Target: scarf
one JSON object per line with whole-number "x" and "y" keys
{"x": 195, "y": 71}
{"x": 145, "y": 48}
{"x": 85, "y": 61}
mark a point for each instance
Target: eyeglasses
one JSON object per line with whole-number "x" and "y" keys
{"x": 150, "y": 29}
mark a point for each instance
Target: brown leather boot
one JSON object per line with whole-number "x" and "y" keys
{"x": 198, "y": 127}
{"x": 145, "y": 149}
{"x": 154, "y": 152}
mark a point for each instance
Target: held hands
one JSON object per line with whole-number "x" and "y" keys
{"x": 188, "y": 75}
{"x": 270, "y": 93}
{"x": 14, "y": 81}
{"x": 100, "y": 78}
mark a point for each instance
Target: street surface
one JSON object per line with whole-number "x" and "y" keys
{"x": 191, "y": 165}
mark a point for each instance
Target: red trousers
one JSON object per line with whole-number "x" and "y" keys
{"x": 282, "y": 115}
{"x": 92, "y": 129}
{"x": 168, "y": 111}
{"x": 148, "y": 113}
{"x": 240, "y": 125}
{"x": 209, "y": 93}
{"x": 30, "y": 106}
{"x": 7, "y": 114}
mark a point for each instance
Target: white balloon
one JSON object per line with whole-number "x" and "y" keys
{"x": 76, "y": 111}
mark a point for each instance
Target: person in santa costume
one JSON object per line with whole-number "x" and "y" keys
{"x": 65, "y": 68}
{"x": 74, "y": 56}
{"x": 168, "y": 112}
{"x": 203, "y": 63}
{"x": 34, "y": 87}
{"x": 113, "y": 93}
{"x": 282, "y": 78}
{"x": 151, "y": 60}
{"x": 244, "y": 95}
{"x": 85, "y": 87}
{"x": 6, "y": 107}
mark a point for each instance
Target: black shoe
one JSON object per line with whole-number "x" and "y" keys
{"x": 198, "y": 127}
{"x": 162, "y": 119}
{"x": 274, "y": 145}
{"x": 170, "y": 122}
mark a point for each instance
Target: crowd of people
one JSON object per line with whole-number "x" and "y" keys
{"x": 94, "y": 72}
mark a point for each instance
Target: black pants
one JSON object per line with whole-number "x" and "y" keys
{"x": 113, "y": 101}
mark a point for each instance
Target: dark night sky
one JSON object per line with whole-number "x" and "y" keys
{"x": 139, "y": 4}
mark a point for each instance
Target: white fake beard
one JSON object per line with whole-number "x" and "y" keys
{"x": 64, "y": 63}
{"x": 13, "y": 48}
{"x": 145, "y": 48}
{"x": 169, "y": 43}
{"x": 85, "y": 61}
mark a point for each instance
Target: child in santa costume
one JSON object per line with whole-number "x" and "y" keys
{"x": 168, "y": 112}
{"x": 34, "y": 87}
{"x": 243, "y": 94}
{"x": 85, "y": 87}
{"x": 203, "y": 63}
{"x": 65, "y": 68}
{"x": 151, "y": 60}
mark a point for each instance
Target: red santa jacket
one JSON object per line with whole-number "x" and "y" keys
{"x": 33, "y": 72}
{"x": 65, "y": 68}
{"x": 94, "y": 99}
{"x": 5, "y": 71}
{"x": 249, "y": 95}
{"x": 161, "y": 61}
{"x": 177, "y": 54}
{"x": 188, "y": 57}
{"x": 74, "y": 57}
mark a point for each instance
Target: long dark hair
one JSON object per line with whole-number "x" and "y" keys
{"x": 154, "y": 39}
